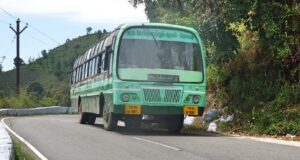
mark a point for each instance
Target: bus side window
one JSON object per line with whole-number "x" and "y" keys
{"x": 96, "y": 65}
{"x": 104, "y": 57}
{"x": 82, "y": 71}
{"x": 76, "y": 76}
{"x": 89, "y": 70}
{"x": 73, "y": 76}
{"x": 107, "y": 58}
{"x": 86, "y": 70}
{"x": 99, "y": 64}
{"x": 92, "y": 66}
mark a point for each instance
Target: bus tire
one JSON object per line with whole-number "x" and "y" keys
{"x": 174, "y": 123}
{"x": 101, "y": 104}
{"x": 133, "y": 122}
{"x": 91, "y": 118}
{"x": 83, "y": 115}
{"x": 110, "y": 121}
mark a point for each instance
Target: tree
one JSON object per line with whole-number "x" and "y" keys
{"x": 88, "y": 30}
{"x": 104, "y": 31}
{"x": 35, "y": 88}
{"x": 206, "y": 16}
{"x": 99, "y": 34}
{"x": 1, "y": 68}
{"x": 58, "y": 72}
{"x": 30, "y": 60}
{"x": 44, "y": 53}
{"x": 58, "y": 66}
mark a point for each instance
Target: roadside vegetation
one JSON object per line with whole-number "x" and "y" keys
{"x": 20, "y": 152}
{"x": 253, "y": 55}
{"x": 45, "y": 80}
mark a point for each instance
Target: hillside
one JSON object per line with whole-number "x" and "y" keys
{"x": 48, "y": 75}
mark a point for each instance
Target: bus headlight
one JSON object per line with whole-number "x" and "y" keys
{"x": 196, "y": 99}
{"x": 125, "y": 97}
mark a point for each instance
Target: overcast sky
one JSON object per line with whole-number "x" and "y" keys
{"x": 59, "y": 20}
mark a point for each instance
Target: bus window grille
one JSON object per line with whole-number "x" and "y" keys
{"x": 152, "y": 95}
{"x": 172, "y": 96}
{"x": 162, "y": 95}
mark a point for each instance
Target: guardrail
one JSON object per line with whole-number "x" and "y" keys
{"x": 36, "y": 111}
{"x": 6, "y": 145}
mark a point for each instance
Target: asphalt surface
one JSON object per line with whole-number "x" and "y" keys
{"x": 61, "y": 137}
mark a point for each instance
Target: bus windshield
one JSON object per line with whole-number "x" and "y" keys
{"x": 155, "y": 54}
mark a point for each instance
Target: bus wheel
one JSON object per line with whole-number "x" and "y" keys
{"x": 91, "y": 118}
{"x": 83, "y": 115}
{"x": 110, "y": 121}
{"x": 174, "y": 123}
{"x": 133, "y": 122}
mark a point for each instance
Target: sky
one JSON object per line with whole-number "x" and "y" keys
{"x": 52, "y": 22}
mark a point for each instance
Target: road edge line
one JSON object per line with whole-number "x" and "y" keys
{"x": 269, "y": 140}
{"x": 34, "y": 150}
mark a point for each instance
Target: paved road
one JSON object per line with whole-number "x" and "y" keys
{"x": 60, "y": 137}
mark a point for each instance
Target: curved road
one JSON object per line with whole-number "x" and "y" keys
{"x": 61, "y": 137}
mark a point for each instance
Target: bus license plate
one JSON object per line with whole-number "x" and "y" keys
{"x": 190, "y": 110}
{"x": 133, "y": 109}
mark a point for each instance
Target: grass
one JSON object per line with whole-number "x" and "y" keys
{"x": 22, "y": 152}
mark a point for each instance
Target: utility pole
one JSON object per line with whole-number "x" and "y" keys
{"x": 18, "y": 60}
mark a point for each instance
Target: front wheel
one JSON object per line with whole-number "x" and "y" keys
{"x": 175, "y": 123}
{"x": 110, "y": 121}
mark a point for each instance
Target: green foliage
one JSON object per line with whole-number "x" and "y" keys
{"x": 280, "y": 116}
{"x": 35, "y": 88}
{"x": 253, "y": 57}
{"x": 20, "y": 154}
{"x": 99, "y": 34}
{"x": 26, "y": 100}
{"x": 52, "y": 73}
{"x": 44, "y": 53}
{"x": 88, "y": 30}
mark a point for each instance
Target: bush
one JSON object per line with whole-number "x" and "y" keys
{"x": 26, "y": 100}
{"x": 280, "y": 116}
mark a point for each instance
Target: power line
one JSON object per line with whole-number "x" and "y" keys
{"x": 29, "y": 25}
{"x": 8, "y": 49}
{"x": 31, "y": 36}
{"x": 4, "y": 22}
{"x": 9, "y": 14}
{"x": 44, "y": 34}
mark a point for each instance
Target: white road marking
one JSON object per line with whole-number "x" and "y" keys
{"x": 39, "y": 154}
{"x": 157, "y": 143}
{"x": 270, "y": 140}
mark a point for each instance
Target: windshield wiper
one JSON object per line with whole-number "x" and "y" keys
{"x": 155, "y": 41}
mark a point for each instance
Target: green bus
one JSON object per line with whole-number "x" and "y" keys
{"x": 141, "y": 72}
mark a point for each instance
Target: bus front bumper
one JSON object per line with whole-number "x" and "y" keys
{"x": 156, "y": 110}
